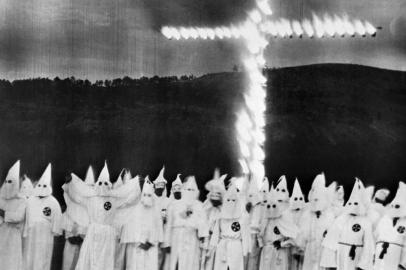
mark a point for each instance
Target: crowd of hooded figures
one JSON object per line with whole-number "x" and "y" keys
{"x": 133, "y": 224}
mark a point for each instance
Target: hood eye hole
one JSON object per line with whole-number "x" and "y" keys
{"x": 39, "y": 185}
{"x": 349, "y": 203}
{"x": 100, "y": 183}
{"x": 265, "y": 201}
{"x": 274, "y": 206}
{"x": 397, "y": 206}
{"x": 105, "y": 183}
{"x": 283, "y": 190}
{"x": 277, "y": 189}
{"x": 301, "y": 198}
{"x": 295, "y": 199}
{"x": 355, "y": 203}
{"x": 280, "y": 201}
{"x": 44, "y": 186}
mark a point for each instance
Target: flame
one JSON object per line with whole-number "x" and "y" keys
{"x": 251, "y": 122}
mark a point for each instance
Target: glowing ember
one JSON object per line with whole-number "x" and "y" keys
{"x": 254, "y": 33}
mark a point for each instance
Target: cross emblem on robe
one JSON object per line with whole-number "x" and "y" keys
{"x": 255, "y": 32}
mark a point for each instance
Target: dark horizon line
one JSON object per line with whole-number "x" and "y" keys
{"x": 196, "y": 77}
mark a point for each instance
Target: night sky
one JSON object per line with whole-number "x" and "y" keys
{"x": 99, "y": 39}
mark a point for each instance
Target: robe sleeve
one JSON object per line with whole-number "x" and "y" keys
{"x": 78, "y": 191}
{"x": 246, "y": 236}
{"x": 128, "y": 194}
{"x": 16, "y": 216}
{"x": 403, "y": 255}
{"x": 215, "y": 237}
{"x": 201, "y": 222}
{"x": 159, "y": 227}
{"x": 75, "y": 211}
{"x": 330, "y": 244}
{"x": 168, "y": 227}
{"x": 368, "y": 250}
{"x": 57, "y": 219}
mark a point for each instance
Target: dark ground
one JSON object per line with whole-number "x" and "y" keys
{"x": 346, "y": 120}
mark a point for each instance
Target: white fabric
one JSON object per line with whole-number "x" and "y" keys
{"x": 106, "y": 214}
{"x": 183, "y": 233}
{"x": 212, "y": 215}
{"x": 43, "y": 187}
{"x": 312, "y": 232}
{"x": 145, "y": 226}
{"x": 11, "y": 184}
{"x": 348, "y": 230}
{"x": 11, "y": 257}
{"x": 42, "y": 223}
{"x": 231, "y": 237}
{"x": 395, "y": 237}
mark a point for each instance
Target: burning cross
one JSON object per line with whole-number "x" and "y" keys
{"x": 254, "y": 32}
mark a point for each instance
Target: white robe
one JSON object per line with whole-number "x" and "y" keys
{"x": 394, "y": 238}
{"x": 145, "y": 226}
{"x": 311, "y": 235}
{"x": 232, "y": 239}
{"x": 212, "y": 215}
{"x": 104, "y": 216}
{"x": 349, "y": 233}
{"x": 276, "y": 229}
{"x": 256, "y": 214}
{"x": 11, "y": 229}
{"x": 71, "y": 251}
{"x": 43, "y": 217}
{"x": 183, "y": 233}
{"x": 162, "y": 204}
{"x": 296, "y": 253}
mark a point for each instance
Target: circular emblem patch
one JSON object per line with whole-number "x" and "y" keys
{"x": 235, "y": 226}
{"x": 107, "y": 206}
{"x": 47, "y": 211}
{"x": 276, "y": 231}
{"x": 401, "y": 229}
{"x": 356, "y": 228}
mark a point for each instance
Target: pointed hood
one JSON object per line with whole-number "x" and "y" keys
{"x": 147, "y": 194}
{"x": 11, "y": 184}
{"x": 90, "y": 179}
{"x": 231, "y": 204}
{"x": 297, "y": 199}
{"x": 253, "y": 195}
{"x": 356, "y": 203}
{"x": 397, "y": 208}
{"x": 281, "y": 189}
{"x": 119, "y": 182}
{"x": 27, "y": 188}
{"x": 190, "y": 191}
{"x": 274, "y": 206}
{"x": 176, "y": 188}
{"x": 264, "y": 191}
{"x": 103, "y": 184}
{"x": 127, "y": 176}
{"x": 381, "y": 195}
{"x": 160, "y": 183}
{"x": 216, "y": 186}
{"x": 318, "y": 194}
{"x": 44, "y": 188}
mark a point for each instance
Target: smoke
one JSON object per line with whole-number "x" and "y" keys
{"x": 398, "y": 30}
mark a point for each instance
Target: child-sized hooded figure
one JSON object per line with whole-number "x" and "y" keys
{"x": 12, "y": 213}
{"x": 390, "y": 250}
{"x": 297, "y": 207}
{"x": 144, "y": 232}
{"x": 186, "y": 228}
{"x": 349, "y": 243}
{"x": 231, "y": 234}
{"x": 42, "y": 223}
{"x": 315, "y": 222}
{"x": 212, "y": 207}
{"x": 277, "y": 230}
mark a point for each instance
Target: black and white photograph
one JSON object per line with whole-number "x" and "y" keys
{"x": 202, "y": 134}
